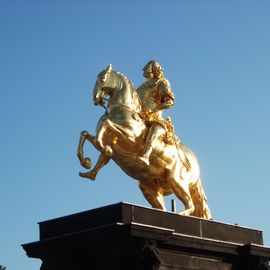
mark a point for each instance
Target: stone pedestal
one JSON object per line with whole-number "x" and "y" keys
{"x": 126, "y": 236}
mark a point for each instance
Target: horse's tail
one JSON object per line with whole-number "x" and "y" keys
{"x": 200, "y": 201}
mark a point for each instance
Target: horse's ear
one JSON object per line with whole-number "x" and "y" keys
{"x": 109, "y": 68}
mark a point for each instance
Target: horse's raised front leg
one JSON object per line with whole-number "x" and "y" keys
{"x": 106, "y": 149}
{"x": 99, "y": 136}
{"x": 102, "y": 161}
{"x": 85, "y": 162}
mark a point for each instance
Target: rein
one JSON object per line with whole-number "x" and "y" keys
{"x": 120, "y": 105}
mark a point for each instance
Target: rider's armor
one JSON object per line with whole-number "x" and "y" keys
{"x": 153, "y": 94}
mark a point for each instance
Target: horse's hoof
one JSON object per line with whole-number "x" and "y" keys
{"x": 92, "y": 176}
{"x": 187, "y": 212}
{"x": 87, "y": 175}
{"x": 87, "y": 164}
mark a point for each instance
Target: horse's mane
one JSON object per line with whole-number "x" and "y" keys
{"x": 134, "y": 91}
{"x": 125, "y": 78}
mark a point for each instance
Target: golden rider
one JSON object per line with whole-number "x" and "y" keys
{"x": 156, "y": 95}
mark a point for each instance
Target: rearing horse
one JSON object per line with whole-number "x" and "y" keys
{"x": 120, "y": 136}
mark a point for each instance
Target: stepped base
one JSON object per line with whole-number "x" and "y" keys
{"x": 126, "y": 236}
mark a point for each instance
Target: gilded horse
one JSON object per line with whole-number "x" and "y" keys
{"x": 120, "y": 136}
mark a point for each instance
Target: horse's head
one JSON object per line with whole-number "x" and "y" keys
{"x": 103, "y": 86}
{"x": 118, "y": 87}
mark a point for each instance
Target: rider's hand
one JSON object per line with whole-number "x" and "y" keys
{"x": 102, "y": 101}
{"x": 145, "y": 113}
{"x": 149, "y": 113}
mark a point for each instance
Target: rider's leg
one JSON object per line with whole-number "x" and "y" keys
{"x": 152, "y": 139}
{"x": 102, "y": 161}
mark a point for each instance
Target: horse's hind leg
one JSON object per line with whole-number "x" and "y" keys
{"x": 181, "y": 190}
{"x": 153, "y": 195}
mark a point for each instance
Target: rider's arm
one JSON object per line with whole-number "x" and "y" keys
{"x": 166, "y": 96}
{"x": 167, "y": 104}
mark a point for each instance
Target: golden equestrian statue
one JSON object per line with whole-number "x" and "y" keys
{"x": 133, "y": 133}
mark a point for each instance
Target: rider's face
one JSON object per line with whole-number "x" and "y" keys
{"x": 147, "y": 74}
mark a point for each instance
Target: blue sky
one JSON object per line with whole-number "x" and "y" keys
{"x": 214, "y": 53}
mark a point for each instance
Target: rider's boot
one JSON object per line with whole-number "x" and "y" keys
{"x": 147, "y": 152}
{"x": 154, "y": 132}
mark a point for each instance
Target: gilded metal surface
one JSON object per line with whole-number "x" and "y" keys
{"x": 133, "y": 133}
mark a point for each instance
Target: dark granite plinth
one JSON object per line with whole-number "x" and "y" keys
{"x": 125, "y": 236}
